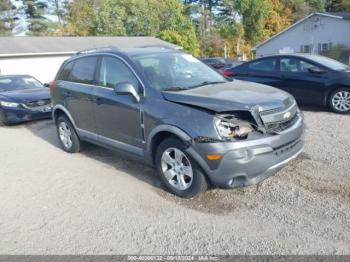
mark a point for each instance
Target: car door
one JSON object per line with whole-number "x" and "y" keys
{"x": 305, "y": 80}
{"x": 118, "y": 117}
{"x": 264, "y": 71}
{"x": 78, "y": 91}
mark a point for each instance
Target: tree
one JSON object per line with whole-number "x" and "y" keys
{"x": 302, "y": 8}
{"x": 38, "y": 24}
{"x": 253, "y": 14}
{"x": 203, "y": 16}
{"x": 165, "y": 19}
{"x": 337, "y": 6}
{"x": 109, "y": 18}
{"x": 60, "y": 8}
{"x": 278, "y": 18}
{"x": 230, "y": 28}
{"x": 79, "y": 18}
{"x": 7, "y": 12}
{"x": 313, "y": 6}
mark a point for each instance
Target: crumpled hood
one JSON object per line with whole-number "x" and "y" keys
{"x": 25, "y": 95}
{"x": 231, "y": 96}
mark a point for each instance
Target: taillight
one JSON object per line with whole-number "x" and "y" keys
{"x": 229, "y": 73}
{"x": 52, "y": 86}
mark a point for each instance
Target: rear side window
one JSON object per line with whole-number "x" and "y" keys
{"x": 295, "y": 65}
{"x": 113, "y": 71}
{"x": 84, "y": 70}
{"x": 65, "y": 73}
{"x": 264, "y": 65}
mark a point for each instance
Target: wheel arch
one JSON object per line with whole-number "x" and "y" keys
{"x": 61, "y": 110}
{"x": 162, "y": 132}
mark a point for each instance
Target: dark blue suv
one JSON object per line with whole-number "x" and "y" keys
{"x": 177, "y": 114}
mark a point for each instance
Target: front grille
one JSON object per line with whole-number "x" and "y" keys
{"x": 271, "y": 111}
{"x": 38, "y": 103}
{"x": 280, "y": 119}
{"x": 43, "y": 105}
{"x": 282, "y": 125}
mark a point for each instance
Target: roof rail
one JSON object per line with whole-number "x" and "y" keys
{"x": 97, "y": 49}
{"x": 161, "y": 46}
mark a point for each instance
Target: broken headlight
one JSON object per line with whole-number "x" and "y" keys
{"x": 228, "y": 126}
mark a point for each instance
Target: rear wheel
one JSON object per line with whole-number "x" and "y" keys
{"x": 67, "y": 135}
{"x": 339, "y": 101}
{"x": 178, "y": 171}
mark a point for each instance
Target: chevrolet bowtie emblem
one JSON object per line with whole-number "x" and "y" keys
{"x": 286, "y": 115}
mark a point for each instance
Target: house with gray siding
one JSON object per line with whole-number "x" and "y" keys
{"x": 314, "y": 34}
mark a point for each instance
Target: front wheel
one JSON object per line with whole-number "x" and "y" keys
{"x": 339, "y": 101}
{"x": 178, "y": 171}
{"x": 67, "y": 136}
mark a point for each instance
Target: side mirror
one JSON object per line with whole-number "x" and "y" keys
{"x": 47, "y": 85}
{"x": 316, "y": 70}
{"x": 126, "y": 88}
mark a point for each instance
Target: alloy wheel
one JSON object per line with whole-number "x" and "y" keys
{"x": 177, "y": 168}
{"x": 65, "y": 135}
{"x": 341, "y": 101}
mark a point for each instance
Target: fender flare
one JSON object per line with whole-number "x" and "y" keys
{"x": 65, "y": 111}
{"x": 167, "y": 128}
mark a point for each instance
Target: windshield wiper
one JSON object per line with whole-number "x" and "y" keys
{"x": 205, "y": 83}
{"x": 174, "y": 88}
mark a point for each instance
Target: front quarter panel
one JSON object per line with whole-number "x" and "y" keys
{"x": 345, "y": 80}
{"x": 192, "y": 121}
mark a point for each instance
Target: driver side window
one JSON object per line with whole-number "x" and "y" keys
{"x": 114, "y": 71}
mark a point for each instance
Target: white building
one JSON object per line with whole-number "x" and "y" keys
{"x": 41, "y": 57}
{"x": 315, "y": 34}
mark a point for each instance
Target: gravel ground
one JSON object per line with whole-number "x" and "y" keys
{"x": 98, "y": 202}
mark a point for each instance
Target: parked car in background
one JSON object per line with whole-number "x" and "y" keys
{"x": 170, "y": 110}
{"x": 220, "y": 64}
{"x": 23, "y": 98}
{"x": 311, "y": 79}
{"x": 215, "y": 62}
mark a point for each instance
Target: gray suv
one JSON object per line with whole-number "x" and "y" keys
{"x": 175, "y": 113}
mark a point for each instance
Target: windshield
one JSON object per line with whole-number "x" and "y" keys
{"x": 176, "y": 71}
{"x": 331, "y": 63}
{"x": 16, "y": 83}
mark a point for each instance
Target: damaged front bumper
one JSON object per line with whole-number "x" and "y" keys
{"x": 246, "y": 163}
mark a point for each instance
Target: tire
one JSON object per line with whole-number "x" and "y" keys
{"x": 67, "y": 135}
{"x": 339, "y": 101}
{"x": 175, "y": 173}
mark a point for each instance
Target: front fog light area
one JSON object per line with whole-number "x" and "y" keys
{"x": 228, "y": 126}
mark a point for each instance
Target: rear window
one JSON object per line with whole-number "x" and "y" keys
{"x": 84, "y": 70}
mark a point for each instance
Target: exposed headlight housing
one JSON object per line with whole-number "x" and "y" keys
{"x": 228, "y": 126}
{"x": 9, "y": 104}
